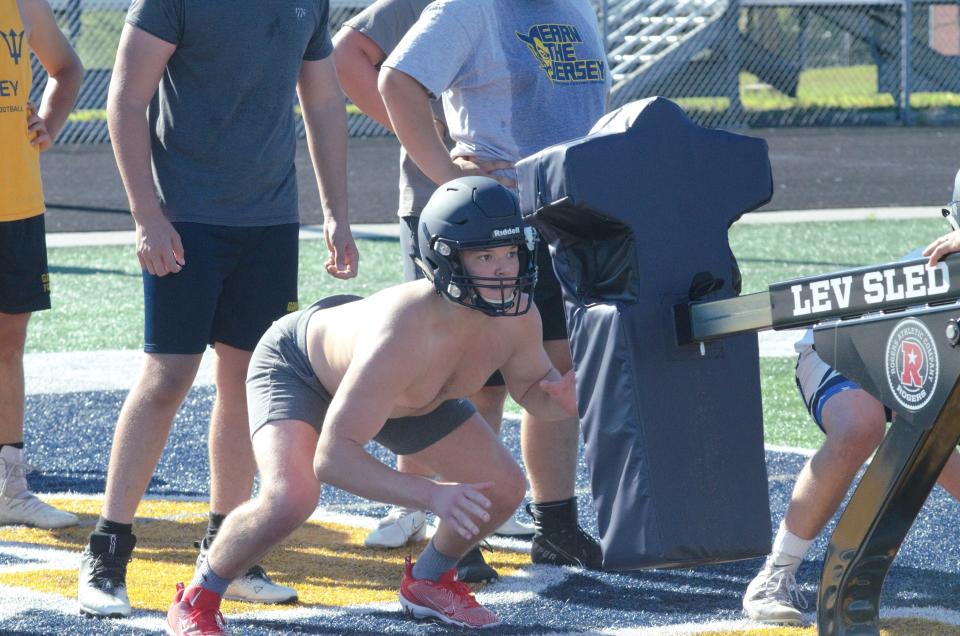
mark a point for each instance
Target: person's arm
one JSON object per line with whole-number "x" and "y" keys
{"x": 362, "y": 403}
{"x": 946, "y": 244}
{"x": 141, "y": 58}
{"x": 411, "y": 117}
{"x": 532, "y": 379}
{"x": 408, "y": 105}
{"x": 358, "y": 60}
{"x": 325, "y": 121}
{"x": 63, "y": 68}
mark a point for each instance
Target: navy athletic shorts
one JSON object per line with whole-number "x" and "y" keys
{"x": 236, "y": 282}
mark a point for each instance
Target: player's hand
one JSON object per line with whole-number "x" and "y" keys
{"x": 159, "y": 248}
{"x": 343, "y": 258}
{"x": 471, "y": 166}
{"x": 563, "y": 391}
{"x": 946, "y": 244}
{"x": 37, "y": 129}
{"x": 462, "y": 506}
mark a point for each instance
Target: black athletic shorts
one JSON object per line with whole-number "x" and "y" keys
{"x": 548, "y": 298}
{"x": 24, "y": 277}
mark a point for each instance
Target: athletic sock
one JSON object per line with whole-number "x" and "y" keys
{"x": 105, "y": 526}
{"x": 788, "y": 549}
{"x": 431, "y": 564}
{"x": 213, "y": 527}
{"x": 205, "y": 577}
{"x": 14, "y": 445}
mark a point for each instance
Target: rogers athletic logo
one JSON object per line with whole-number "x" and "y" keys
{"x": 912, "y": 364}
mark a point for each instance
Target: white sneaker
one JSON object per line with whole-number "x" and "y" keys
{"x": 400, "y": 527}
{"x": 773, "y": 596}
{"x": 256, "y": 587}
{"x": 253, "y": 587}
{"x": 19, "y": 506}
{"x": 513, "y": 529}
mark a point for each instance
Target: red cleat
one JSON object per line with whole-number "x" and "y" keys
{"x": 195, "y": 612}
{"x": 448, "y": 599}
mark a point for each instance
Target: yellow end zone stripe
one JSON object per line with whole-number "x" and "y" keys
{"x": 326, "y": 563}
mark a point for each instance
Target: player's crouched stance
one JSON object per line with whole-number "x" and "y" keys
{"x": 395, "y": 367}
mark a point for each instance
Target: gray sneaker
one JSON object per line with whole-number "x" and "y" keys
{"x": 773, "y": 596}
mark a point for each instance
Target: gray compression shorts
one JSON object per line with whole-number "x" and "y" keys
{"x": 281, "y": 385}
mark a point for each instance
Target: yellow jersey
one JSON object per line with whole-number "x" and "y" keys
{"x": 21, "y": 193}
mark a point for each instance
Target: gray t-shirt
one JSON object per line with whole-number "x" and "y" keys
{"x": 516, "y": 76}
{"x": 222, "y": 124}
{"x": 385, "y": 22}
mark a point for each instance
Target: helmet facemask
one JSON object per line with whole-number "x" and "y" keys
{"x": 477, "y": 213}
{"x": 512, "y": 295}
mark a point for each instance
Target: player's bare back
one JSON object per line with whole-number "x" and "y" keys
{"x": 449, "y": 351}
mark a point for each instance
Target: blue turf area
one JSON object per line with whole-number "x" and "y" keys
{"x": 69, "y": 436}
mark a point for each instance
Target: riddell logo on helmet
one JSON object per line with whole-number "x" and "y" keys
{"x": 510, "y": 231}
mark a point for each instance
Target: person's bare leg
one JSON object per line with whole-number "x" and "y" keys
{"x": 17, "y": 504}
{"x": 550, "y": 454}
{"x": 289, "y": 492}
{"x": 13, "y": 337}
{"x": 403, "y": 525}
{"x": 470, "y": 454}
{"x": 232, "y": 465}
{"x": 489, "y": 402}
{"x": 855, "y": 424}
{"x": 143, "y": 428}
{"x": 550, "y": 448}
{"x": 138, "y": 441}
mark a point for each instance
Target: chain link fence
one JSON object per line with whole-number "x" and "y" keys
{"x": 730, "y": 63}
{"x": 813, "y": 63}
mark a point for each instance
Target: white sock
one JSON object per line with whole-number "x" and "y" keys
{"x": 788, "y": 548}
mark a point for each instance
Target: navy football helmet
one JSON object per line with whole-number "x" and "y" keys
{"x": 472, "y": 213}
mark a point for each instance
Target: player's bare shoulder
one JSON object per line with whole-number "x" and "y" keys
{"x": 405, "y": 309}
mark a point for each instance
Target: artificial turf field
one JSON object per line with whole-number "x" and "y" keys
{"x": 95, "y": 329}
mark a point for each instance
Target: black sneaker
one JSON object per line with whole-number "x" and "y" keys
{"x": 102, "y": 583}
{"x": 559, "y": 540}
{"x": 472, "y": 568}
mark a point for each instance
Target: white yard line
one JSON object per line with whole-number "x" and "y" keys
{"x": 116, "y": 370}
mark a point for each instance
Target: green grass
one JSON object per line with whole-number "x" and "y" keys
{"x": 778, "y": 252}
{"x": 785, "y": 421}
{"x": 835, "y": 87}
{"x": 98, "y": 298}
